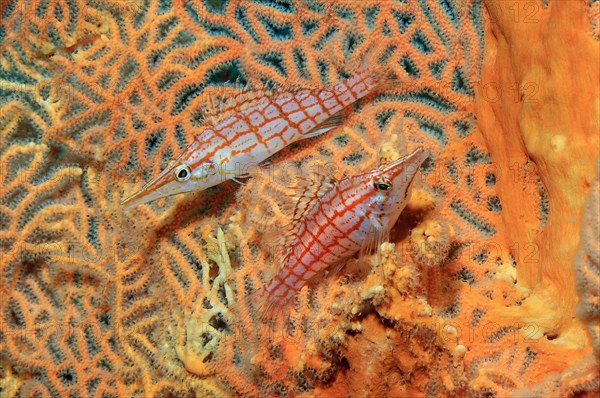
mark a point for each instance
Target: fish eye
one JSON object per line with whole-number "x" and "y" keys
{"x": 382, "y": 185}
{"x": 183, "y": 172}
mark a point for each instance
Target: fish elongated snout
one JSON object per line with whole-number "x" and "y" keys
{"x": 138, "y": 198}
{"x": 407, "y": 166}
{"x": 161, "y": 186}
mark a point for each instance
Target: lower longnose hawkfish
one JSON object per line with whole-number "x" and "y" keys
{"x": 254, "y": 132}
{"x": 343, "y": 217}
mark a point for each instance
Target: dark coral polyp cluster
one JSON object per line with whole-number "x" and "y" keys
{"x": 97, "y": 96}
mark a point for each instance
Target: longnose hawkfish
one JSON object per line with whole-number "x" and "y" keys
{"x": 250, "y": 135}
{"x": 343, "y": 218}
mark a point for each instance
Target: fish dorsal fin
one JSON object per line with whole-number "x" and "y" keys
{"x": 303, "y": 197}
{"x": 308, "y": 193}
{"x": 224, "y": 101}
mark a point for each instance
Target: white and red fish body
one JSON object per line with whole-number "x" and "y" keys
{"x": 258, "y": 130}
{"x": 349, "y": 215}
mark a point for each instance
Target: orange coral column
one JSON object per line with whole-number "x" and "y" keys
{"x": 538, "y": 100}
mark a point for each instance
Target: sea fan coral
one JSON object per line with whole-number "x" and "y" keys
{"x": 98, "y": 96}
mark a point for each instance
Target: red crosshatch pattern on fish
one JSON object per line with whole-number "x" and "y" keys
{"x": 340, "y": 218}
{"x": 253, "y": 133}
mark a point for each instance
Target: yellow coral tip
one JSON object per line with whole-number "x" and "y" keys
{"x": 48, "y": 48}
{"x": 558, "y": 142}
{"x": 451, "y": 330}
{"x": 460, "y": 350}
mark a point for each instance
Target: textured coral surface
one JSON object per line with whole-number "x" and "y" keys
{"x": 476, "y": 292}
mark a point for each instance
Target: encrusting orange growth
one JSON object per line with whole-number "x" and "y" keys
{"x": 96, "y": 301}
{"x": 587, "y": 264}
{"x": 431, "y": 242}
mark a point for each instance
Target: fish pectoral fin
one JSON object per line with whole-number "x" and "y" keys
{"x": 328, "y": 124}
{"x": 333, "y": 273}
{"x": 377, "y": 234}
{"x": 238, "y": 178}
{"x": 336, "y": 268}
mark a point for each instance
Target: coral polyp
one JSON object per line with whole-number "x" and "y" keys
{"x": 431, "y": 242}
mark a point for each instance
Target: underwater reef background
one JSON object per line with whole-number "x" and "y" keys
{"x": 489, "y": 286}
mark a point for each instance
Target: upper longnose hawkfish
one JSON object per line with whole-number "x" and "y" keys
{"x": 254, "y": 132}
{"x": 342, "y": 218}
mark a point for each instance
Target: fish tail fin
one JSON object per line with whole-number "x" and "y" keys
{"x": 251, "y": 325}
{"x": 388, "y": 78}
{"x": 257, "y": 314}
{"x": 369, "y": 60}
{"x": 368, "y": 57}
{"x": 350, "y": 62}
{"x": 373, "y": 62}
